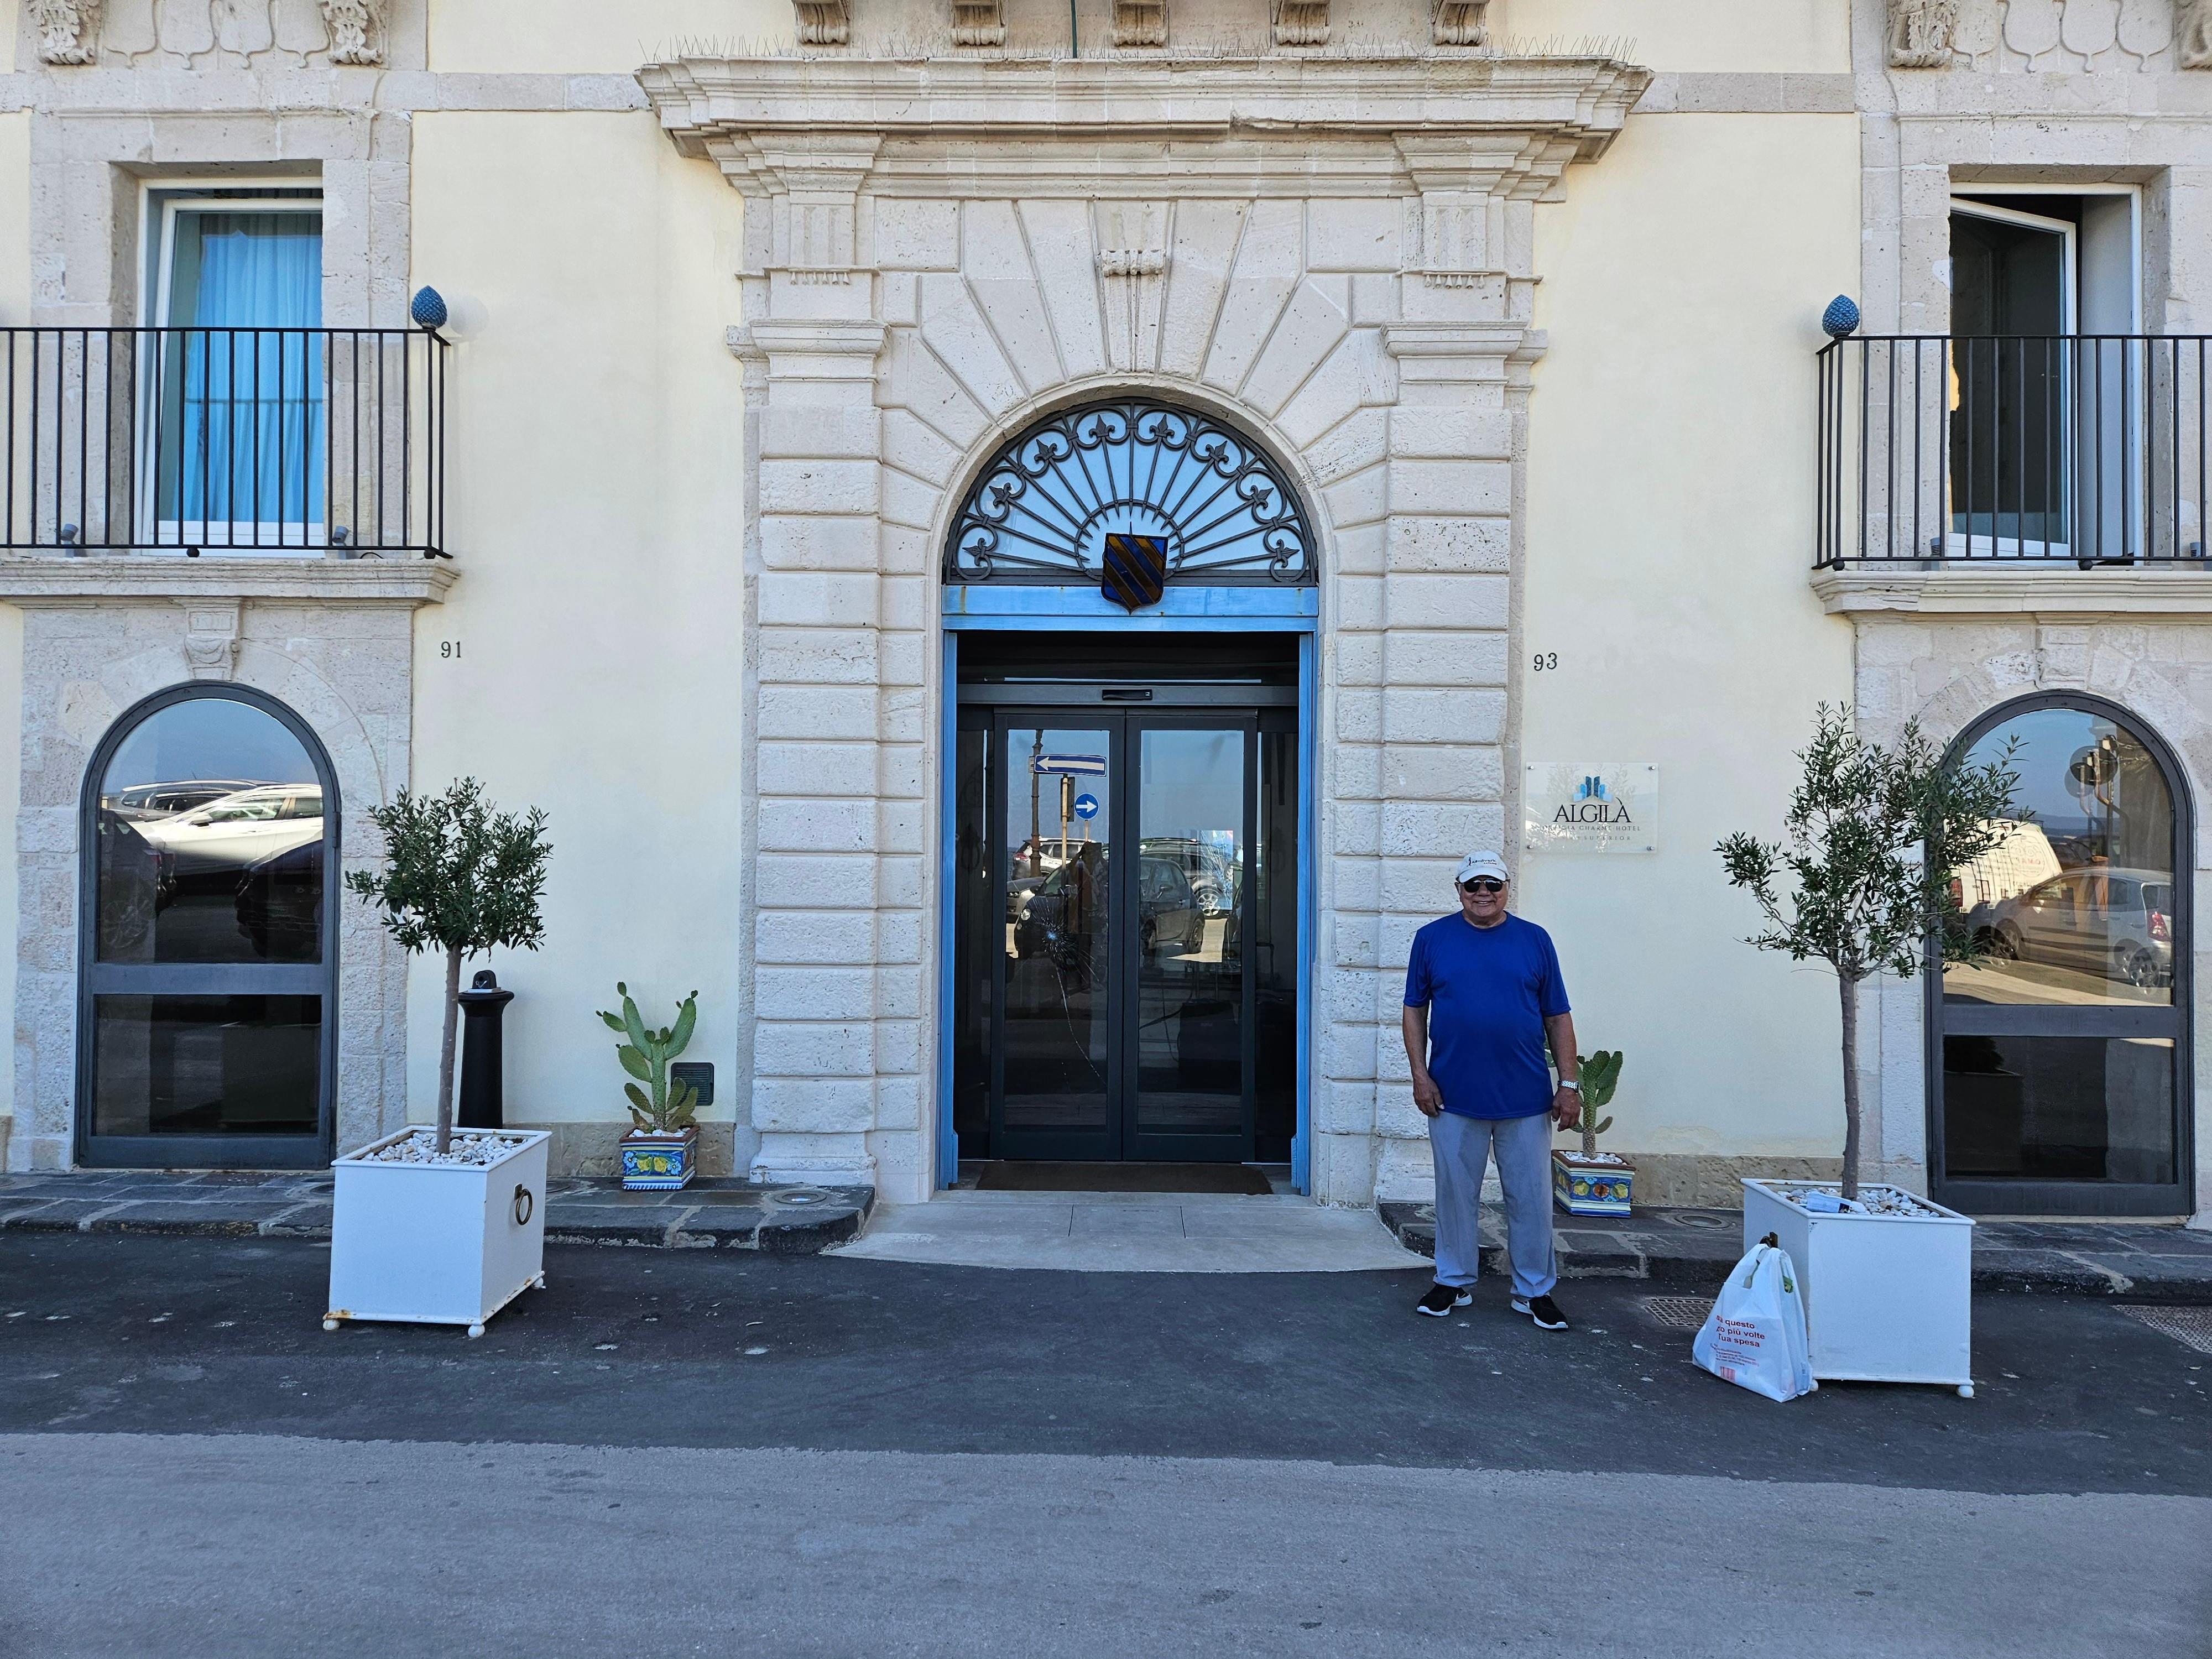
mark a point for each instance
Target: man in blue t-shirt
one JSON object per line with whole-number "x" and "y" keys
{"x": 1483, "y": 997}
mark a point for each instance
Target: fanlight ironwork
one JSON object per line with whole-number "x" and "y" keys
{"x": 1044, "y": 509}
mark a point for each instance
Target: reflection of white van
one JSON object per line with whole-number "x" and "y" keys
{"x": 239, "y": 828}
{"x": 2022, "y": 860}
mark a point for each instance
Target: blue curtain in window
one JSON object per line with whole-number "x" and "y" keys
{"x": 253, "y": 412}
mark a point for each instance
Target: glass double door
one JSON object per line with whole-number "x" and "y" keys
{"x": 1126, "y": 932}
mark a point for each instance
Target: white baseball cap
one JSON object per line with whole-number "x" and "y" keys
{"x": 1484, "y": 863}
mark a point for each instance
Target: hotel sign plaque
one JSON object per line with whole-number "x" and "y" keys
{"x": 1589, "y": 806}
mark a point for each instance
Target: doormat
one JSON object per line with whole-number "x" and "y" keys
{"x": 1004, "y": 1177}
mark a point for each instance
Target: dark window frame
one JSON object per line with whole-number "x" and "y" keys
{"x": 1986, "y": 1195}
{"x": 209, "y": 1151}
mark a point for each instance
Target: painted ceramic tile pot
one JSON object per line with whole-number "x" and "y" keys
{"x": 1591, "y": 1186}
{"x": 659, "y": 1161}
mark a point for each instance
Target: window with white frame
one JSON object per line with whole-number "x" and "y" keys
{"x": 235, "y": 430}
{"x": 2055, "y": 398}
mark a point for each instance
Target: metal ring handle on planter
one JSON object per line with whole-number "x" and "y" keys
{"x": 525, "y": 1205}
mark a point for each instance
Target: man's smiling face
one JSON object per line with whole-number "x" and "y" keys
{"x": 1482, "y": 900}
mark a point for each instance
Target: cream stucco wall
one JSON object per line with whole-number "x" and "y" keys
{"x": 596, "y": 509}
{"x": 1695, "y": 36}
{"x": 579, "y": 37}
{"x": 1671, "y": 449}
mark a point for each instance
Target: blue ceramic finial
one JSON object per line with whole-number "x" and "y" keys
{"x": 429, "y": 308}
{"x": 1841, "y": 318}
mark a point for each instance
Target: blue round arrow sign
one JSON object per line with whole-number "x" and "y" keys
{"x": 1086, "y": 806}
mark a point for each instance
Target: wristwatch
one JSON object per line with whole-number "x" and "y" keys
{"x": 1568, "y": 1083}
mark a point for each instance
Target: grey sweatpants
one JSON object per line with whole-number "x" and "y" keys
{"x": 1461, "y": 1147}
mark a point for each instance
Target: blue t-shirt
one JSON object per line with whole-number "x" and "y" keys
{"x": 1488, "y": 991}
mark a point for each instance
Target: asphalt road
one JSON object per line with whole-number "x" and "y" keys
{"x": 675, "y": 1452}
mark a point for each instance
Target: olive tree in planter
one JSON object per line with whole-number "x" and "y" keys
{"x": 1862, "y": 881}
{"x": 425, "y": 1227}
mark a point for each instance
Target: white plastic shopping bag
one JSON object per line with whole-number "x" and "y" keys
{"x": 1754, "y": 1337}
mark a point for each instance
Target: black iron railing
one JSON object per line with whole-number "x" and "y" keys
{"x": 309, "y": 442}
{"x": 2088, "y": 448}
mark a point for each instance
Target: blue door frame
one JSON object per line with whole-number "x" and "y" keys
{"x": 1180, "y": 611}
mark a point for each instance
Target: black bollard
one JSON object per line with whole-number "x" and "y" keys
{"x": 483, "y": 1100}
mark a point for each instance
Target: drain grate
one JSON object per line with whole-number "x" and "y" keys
{"x": 2190, "y": 1326}
{"x": 1681, "y": 1313}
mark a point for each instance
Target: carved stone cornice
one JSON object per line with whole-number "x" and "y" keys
{"x": 1920, "y": 32}
{"x": 1301, "y": 23}
{"x": 67, "y": 30}
{"x": 979, "y": 23}
{"x": 823, "y": 22}
{"x": 44, "y": 583}
{"x": 2061, "y": 592}
{"x": 2192, "y": 33}
{"x": 961, "y": 127}
{"x": 1141, "y": 22}
{"x": 1459, "y": 23}
{"x": 356, "y": 29}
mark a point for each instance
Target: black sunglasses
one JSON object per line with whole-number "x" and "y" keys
{"x": 1483, "y": 884}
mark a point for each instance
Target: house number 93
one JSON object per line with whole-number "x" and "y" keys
{"x": 1545, "y": 660}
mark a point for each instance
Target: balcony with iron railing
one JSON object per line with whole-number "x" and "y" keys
{"x": 228, "y": 442}
{"x": 2012, "y": 450}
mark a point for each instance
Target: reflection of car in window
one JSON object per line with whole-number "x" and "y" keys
{"x": 2115, "y": 923}
{"x": 280, "y": 902}
{"x": 239, "y": 828}
{"x": 163, "y": 800}
{"x": 1211, "y": 875}
{"x": 1065, "y": 914}
{"x": 131, "y": 880}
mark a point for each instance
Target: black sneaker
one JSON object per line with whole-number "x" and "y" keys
{"x": 1542, "y": 1308}
{"x": 1442, "y": 1299}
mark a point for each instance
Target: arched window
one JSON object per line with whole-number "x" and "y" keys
{"x": 1164, "y": 482}
{"x": 208, "y": 937}
{"x": 2060, "y": 1066}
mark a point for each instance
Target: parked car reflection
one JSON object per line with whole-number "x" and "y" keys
{"x": 1212, "y": 876}
{"x": 1065, "y": 914}
{"x": 240, "y": 829}
{"x": 2115, "y": 924}
{"x": 279, "y": 905}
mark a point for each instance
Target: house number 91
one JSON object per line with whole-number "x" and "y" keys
{"x": 1545, "y": 659}
{"x": 449, "y": 649}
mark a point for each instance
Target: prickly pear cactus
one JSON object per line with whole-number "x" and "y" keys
{"x": 645, "y": 1054}
{"x": 1599, "y": 1074}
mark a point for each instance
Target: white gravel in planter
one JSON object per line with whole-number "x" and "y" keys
{"x": 1878, "y": 1201}
{"x": 1594, "y": 1157}
{"x": 469, "y": 1149}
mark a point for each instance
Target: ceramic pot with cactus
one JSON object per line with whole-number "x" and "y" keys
{"x": 1589, "y": 1181}
{"x": 660, "y": 1152}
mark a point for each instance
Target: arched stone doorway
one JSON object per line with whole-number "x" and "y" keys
{"x": 2059, "y": 1069}
{"x": 208, "y": 937}
{"x": 1127, "y": 786}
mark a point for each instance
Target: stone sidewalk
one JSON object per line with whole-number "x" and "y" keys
{"x": 1696, "y": 1247}
{"x": 727, "y": 1212}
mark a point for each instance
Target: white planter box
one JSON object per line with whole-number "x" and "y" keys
{"x": 1888, "y": 1298}
{"x": 437, "y": 1244}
